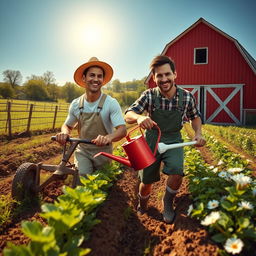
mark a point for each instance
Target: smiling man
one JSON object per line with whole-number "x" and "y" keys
{"x": 97, "y": 116}
{"x": 166, "y": 106}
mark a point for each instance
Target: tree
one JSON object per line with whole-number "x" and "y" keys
{"x": 71, "y": 91}
{"x": 48, "y": 77}
{"x": 13, "y": 77}
{"x": 6, "y": 90}
{"x": 117, "y": 86}
{"x": 35, "y": 90}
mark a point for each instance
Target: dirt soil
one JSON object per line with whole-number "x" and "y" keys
{"x": 122, "y": 231}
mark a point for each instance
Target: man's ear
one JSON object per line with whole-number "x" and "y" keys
{"x": 153, "y": 76}
{"x": 175, "y": 74}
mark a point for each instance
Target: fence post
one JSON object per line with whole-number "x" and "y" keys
{"x": 55, "y": 116}
{"x": 9, "y": 120}
{"x": 30, "y": 117}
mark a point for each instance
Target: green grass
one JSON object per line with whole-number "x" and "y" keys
{"x": 42, "y": 115}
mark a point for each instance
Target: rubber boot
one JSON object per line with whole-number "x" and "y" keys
{"x": 142, "y": 205}
{"x": 168, "y": 211}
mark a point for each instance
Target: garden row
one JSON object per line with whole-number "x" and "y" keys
{"x": 223, "y": 197}
{"x": 69, "y": 219}
{"x": 243, "y": 138}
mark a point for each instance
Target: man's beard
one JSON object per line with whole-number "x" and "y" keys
{"x": 170, "y": 85}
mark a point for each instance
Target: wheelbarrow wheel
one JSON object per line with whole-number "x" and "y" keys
{"x": 24, "y": 182}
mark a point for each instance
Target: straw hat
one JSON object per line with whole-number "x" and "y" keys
{"x": 78, "y": 75}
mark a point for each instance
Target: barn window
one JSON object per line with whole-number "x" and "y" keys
{"x": 200, "y": 55}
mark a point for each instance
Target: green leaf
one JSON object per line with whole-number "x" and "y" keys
{"x": 243, "y": 222}
{"x": 219, "y": 238}
{"x": 14, "y": 250}
{"x": 37, "y": 232}
{"x": 228, "y": 206}
{"x": 250, "y": 233}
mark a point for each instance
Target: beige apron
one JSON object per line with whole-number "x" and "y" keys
{"x": 90, "y": 125}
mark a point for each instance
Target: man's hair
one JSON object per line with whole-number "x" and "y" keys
{"x": 86, "y": 70}
{"x": 161, "y": 60}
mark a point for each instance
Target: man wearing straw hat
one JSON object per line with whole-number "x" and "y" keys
{"x": 166, "y": 105}
{"x": 97, "y": 116}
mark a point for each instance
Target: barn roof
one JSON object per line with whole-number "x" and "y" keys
{"x": 249, "y": 59}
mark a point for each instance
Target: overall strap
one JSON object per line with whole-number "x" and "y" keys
{"x": 101, "y": 103}
{"x": 180, "y": 102}
{"x": 155, "y": 100}
{"x": 81, "y": 104}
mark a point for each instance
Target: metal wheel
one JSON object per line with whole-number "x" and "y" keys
{"x": 24, "y": 182}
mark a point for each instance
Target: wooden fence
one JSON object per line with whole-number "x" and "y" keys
{"x": 24, "y": 117}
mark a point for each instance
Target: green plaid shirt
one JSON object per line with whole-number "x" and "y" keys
{"x": 145, "y": 103}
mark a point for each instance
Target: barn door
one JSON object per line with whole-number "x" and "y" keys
{"x": 223, "y": 104}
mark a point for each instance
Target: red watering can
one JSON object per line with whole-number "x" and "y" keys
{"x": 139, "y": 155}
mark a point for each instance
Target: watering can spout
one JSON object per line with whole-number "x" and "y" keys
{"x": 115, "y": 158}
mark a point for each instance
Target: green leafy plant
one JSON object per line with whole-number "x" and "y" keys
{"x": 223, "y": 197}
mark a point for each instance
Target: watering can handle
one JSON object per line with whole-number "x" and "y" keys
{"x": 128, "y": 135}
{"x": 158, "y": 138}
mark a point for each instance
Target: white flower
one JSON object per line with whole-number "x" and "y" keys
{"x": 211, "y": 218}
{"x": 241, "y": 180}
{"x": 190, "y": 209}
{"x": 212, "y": 204}
{"x": 234, "y": 245}
{"x": 246, "y": 205}
{"x": 215, "y": 169}
{"x": 211, "y": 167}
{"x": 234, "y": 170}
{"x": 223, "y": 174}
{"x": 220, "y": 162}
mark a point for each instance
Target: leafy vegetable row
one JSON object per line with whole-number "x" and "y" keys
{"x": 241, "y": 137}
{"x": 223, "y": 198}
{"x": 69, "y": 219}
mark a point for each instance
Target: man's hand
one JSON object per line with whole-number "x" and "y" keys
{"x": 102, "y": 140}
{"x": 200, "y": 140}
{"x": 145, "y": 122}
{"x": 62, "y": 137}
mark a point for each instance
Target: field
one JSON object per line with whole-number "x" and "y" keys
{"x": 220, "y": 179}
{"x": 19, "y": 116}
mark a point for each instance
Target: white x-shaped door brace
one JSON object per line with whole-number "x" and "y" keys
{"x": 222, "y": 105}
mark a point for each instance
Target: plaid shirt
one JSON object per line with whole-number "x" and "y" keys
{"x": 145, "y": 103}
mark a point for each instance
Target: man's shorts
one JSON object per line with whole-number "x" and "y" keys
{"x": 172, "y": 159}
{"x": 86, "y": 163}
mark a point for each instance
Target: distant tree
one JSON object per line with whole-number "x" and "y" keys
{"x": 53, "y": 91}
{"x": 34, "y": 77}
{"x": 71, "y": 91}
{"x": 117, "y": 86}
{"x": 6, "y": 90}
{"x": 35, "y": 90}
{"x": 48, "y": 77}
{"x": 13, "y": 77}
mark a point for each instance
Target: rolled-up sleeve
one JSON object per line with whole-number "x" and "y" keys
{"x": 192, "y": 110}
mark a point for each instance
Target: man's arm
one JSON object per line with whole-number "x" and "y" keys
{"x": 196, "y": 124}
{"x": 144, "y": 122}
{"x": 118, "y": 134}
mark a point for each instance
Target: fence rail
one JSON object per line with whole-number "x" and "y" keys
{"x": 22, "y": 118}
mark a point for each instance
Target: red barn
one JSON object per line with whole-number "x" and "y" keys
{"x": 218, "y": 71}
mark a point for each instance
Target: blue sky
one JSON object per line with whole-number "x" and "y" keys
{"x": 59, "y": 35}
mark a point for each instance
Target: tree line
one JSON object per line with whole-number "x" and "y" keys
{"x": 44, "y": 88}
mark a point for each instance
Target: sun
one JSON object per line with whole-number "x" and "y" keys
{"x": 89, "y": 34}
{"x": 93, "y": 34}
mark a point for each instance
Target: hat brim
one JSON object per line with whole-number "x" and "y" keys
{"x": 78, "y": 75}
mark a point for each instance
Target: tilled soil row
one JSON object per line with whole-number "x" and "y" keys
{"x": 123, "y": 232}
